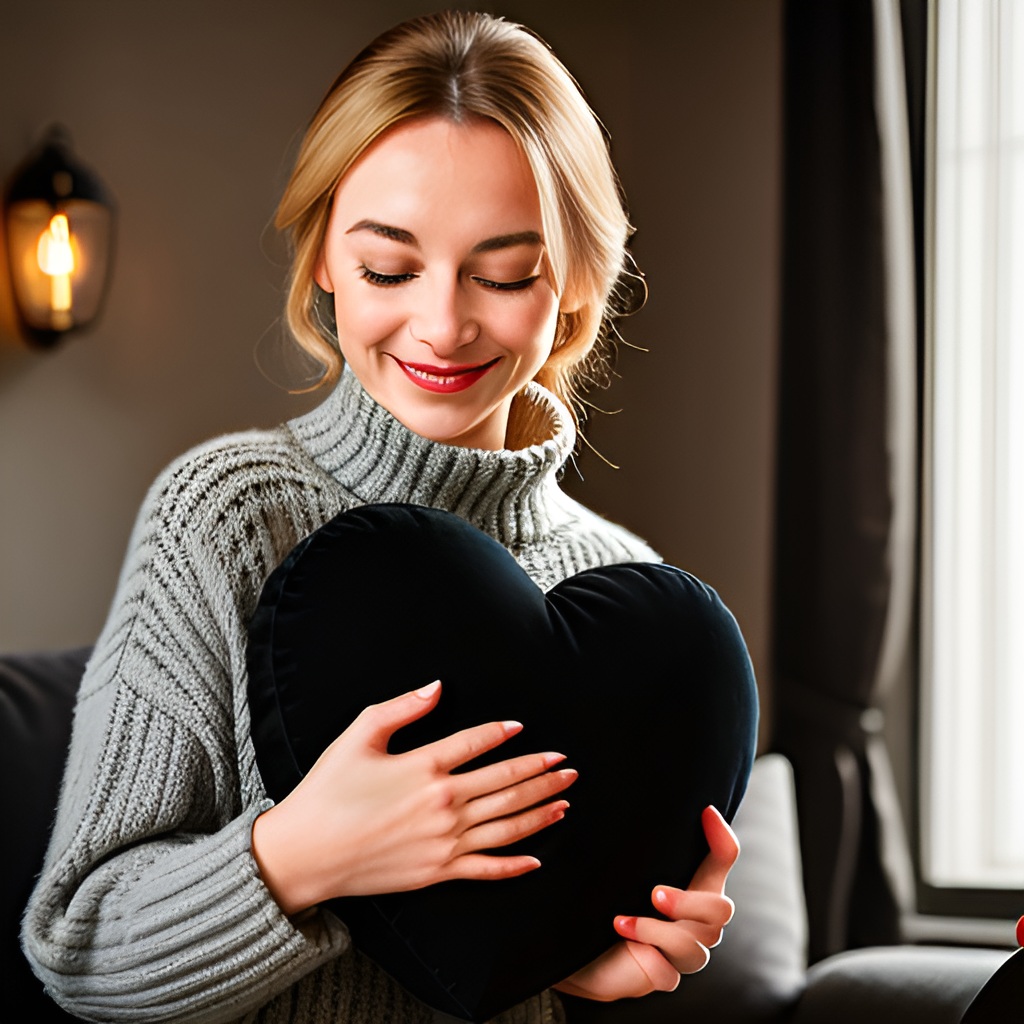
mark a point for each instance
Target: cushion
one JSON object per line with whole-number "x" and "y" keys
{"x": 637, "y": 672}
{"x": 37, "y": 697}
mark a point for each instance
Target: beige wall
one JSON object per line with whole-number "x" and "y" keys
{"x": 190, "y": 111}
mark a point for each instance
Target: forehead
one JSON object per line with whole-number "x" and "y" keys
{"x": 431, "y": 169}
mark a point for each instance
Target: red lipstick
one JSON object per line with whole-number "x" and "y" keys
{"x": 445, "y": 380}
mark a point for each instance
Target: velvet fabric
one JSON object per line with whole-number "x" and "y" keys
{"x": 637, "y": 672}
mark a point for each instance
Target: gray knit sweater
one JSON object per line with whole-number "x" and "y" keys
{"x": 150, "y": 906}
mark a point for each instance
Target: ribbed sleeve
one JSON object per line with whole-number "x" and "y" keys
{"x": 150, "y": 906}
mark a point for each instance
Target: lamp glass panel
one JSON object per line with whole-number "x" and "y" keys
{"x": 40, "y": 295}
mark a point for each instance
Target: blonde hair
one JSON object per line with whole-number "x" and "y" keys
{"x": 460, "y": 65}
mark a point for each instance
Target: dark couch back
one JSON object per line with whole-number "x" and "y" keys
{"x": 37, "y": 696}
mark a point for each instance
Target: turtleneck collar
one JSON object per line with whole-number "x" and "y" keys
{"x": 512, "y": 495}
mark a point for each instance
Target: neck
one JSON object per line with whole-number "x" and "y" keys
{"x": 511, "y": 494}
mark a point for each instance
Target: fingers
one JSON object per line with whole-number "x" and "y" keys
{"x": 683, "y": 950}
{"x": 615, "y": 974}
{"x": 696, "y": 907}
{"x": 510, "y": 786}
{"x": 626, "y": 970}
{"x": 662, "y": 975}
{"x": 695, "y": 915}
{"x": 503, "y": 831}
{"x": 461, "y": 747}
{"x": 724, "y": 851}
{"x": 697, "y": 918}
{"x": 483, "y": 867}
{"x": 378, "y": 721}
{"x": 506, "y": 773}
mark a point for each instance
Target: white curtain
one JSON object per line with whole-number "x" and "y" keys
{"x": 974, "y": 498}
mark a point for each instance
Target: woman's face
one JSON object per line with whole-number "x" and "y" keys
{"x": 442, "y": 288}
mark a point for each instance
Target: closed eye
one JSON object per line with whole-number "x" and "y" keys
{"x": 507, "y": 286}
{"x": 383, "y": 280}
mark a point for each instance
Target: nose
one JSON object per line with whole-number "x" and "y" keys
{"x": 442, "y": 318}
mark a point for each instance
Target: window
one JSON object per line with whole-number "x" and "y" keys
{"x": 973, "y": 598}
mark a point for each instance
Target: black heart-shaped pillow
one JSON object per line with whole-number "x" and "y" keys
{"x": 637, "y": 672}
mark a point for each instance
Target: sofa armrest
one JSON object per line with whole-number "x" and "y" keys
{"x": 1000, "y": 997}
{"x": 909, "y": 984}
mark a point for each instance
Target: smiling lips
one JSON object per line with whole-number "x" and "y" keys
{"x": 445, "y": 380}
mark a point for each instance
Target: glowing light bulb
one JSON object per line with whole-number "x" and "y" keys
{"x": 57, "y": 261}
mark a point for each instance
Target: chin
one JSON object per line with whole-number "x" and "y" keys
{"x": 458, "y": 431}
{"x": 448, "y": 421}
{"x": 470, "y": 437}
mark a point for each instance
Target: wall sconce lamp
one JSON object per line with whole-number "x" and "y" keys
{"x": 59, "y": 222}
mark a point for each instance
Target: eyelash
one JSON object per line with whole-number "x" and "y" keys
{"x": 507, "y": 286}
{"x": 384, "y": 280}
{"x": 390, "y": 280}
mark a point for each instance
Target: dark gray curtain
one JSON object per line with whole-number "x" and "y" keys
{"x": 845, "y": 548}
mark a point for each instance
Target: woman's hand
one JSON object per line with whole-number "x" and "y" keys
{"x": 655, "y": 952}
{"x": 365, "y": 821}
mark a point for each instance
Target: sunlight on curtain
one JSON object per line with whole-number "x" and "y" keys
{"x": 973, "y": 743}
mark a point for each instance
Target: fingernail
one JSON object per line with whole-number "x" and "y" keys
{"x": 553, "y": 758}
{"x": 429, "y": 690}
{"x": 556, "y": 812}
{"x": 625, "y": 924}
{"x": 661, "y": 896}
{"x": 511, "y": 728}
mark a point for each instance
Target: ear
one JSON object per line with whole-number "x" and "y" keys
{"x": 570, "y": 301}
{"x": 320, "y": 274}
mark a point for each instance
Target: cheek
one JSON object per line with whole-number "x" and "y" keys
{"x": 529, "y": 331}
{"x": 363, "y": 318}
{"x": 544, "y": 333}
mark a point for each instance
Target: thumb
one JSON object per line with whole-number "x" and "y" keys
{"x": 724, "y": 849}
{"x": 378, "y": 722}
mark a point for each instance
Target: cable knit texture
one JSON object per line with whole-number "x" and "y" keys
{"x": 150, "y": 906}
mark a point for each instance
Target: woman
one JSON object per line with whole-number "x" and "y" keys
{"x": 459, "y": 235}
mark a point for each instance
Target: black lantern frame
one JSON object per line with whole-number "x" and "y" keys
{"x": 59, "y": 220}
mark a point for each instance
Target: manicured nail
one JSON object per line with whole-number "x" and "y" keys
{"x": 552, "y": 759}
{"x": 625, "y": 924}
{"x": 661, "y": 896}
{"x": 429, "y": 690}
{"x": 511, "y": 728}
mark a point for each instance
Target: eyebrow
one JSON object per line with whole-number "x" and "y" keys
{"x": 408, "y": 238}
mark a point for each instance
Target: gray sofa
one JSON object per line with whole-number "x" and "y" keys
{"x": 758, "y": 974}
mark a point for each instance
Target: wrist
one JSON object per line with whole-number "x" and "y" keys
{"x": 279, "y": 863}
